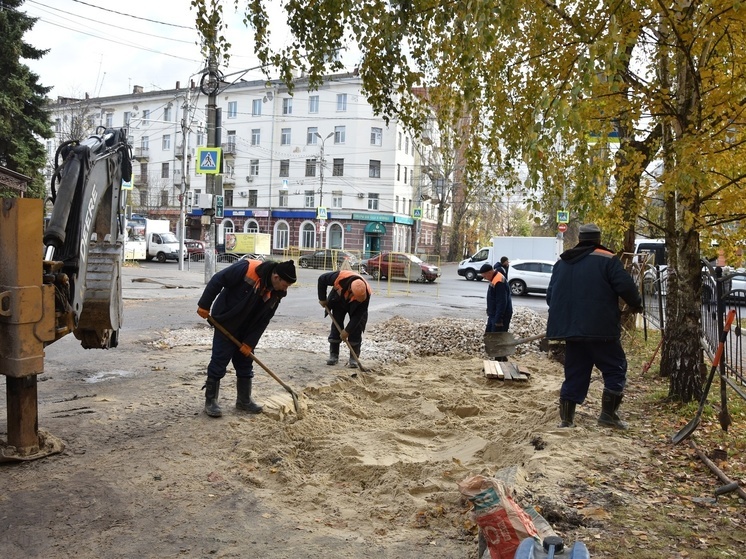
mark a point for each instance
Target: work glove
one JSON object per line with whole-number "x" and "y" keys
{"x": 245, "y": 349}
{"x": 204, "y": 313}
{"x": 344, "y": 335}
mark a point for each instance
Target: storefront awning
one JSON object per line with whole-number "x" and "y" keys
{"x": 375, "y": 228}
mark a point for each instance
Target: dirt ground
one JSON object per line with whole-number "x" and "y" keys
{"x": 369, "y": 469}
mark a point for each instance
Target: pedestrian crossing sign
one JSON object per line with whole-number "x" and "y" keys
{"x": 417, "y": 213}
{"x": 208, "y": 160}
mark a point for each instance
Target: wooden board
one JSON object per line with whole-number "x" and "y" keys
{"x": 503, "y": 370}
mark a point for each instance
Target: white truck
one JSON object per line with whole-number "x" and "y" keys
{"x": 515, "y": 248}
{"x": 151, "y": 238}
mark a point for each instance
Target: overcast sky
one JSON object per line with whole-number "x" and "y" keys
{"x": 106, "y": 47}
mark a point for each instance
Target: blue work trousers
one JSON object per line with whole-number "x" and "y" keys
{"x": 223, "y": 352}
{"x": 580, "y": 357}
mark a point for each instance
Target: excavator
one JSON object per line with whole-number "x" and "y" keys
{"x": 63, "y": 278}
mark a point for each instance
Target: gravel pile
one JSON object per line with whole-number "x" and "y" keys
{"x": 392, "y": 341}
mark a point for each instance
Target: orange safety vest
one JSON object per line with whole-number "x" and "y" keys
{"x": 346, "y": 294}
{"x": 497, "y": 279}
{"x": 252, "y": 278}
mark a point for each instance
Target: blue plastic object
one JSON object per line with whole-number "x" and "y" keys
{"x": 552, "y": 547}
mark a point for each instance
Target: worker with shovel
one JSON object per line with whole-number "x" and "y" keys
{"x": 243, "y": 297}
{"x": 350, "y": 296}
{"x": 583, "y": 298}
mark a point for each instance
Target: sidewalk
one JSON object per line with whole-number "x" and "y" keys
{"x": 155, "y": 280}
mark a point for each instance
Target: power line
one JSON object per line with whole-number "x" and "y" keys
{"x": 134, "y": 17}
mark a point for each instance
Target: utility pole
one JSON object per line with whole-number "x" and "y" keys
{"x": 184, "y": 169}
{"x": 209, "y": 86}
{"x": 321, "y": 188}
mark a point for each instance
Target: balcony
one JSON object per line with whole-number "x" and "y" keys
{"x": 140, "y": 179}
{"x": 179, "y": 152}
{"x": 142, "y": 153}
{"x": 229, "y": 149}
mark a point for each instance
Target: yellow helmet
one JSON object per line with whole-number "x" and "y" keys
{"x": 359, "y": 290}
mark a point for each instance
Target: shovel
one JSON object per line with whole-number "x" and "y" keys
{"x": 231, "y": 337}
{"x": 502, "y": 344}
{"x": 349, "y": 345}
{"x": 689, "y": 428}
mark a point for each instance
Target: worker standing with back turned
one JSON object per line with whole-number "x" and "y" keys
{"x": 583, "y": 298}
{"x": 246, "y": 295}
{"x": 350, "y": 296}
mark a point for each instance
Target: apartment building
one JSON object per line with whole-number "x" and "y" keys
{"x": 314, "y": 168}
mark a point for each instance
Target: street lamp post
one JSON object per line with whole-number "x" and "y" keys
{"x": 321, "y": 183}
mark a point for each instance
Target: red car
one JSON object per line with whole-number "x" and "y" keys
{"x": 400, "y": 265}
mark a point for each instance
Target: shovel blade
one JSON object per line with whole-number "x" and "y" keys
{"x": 499, "y": 344}
{"x": 686, "y": 431}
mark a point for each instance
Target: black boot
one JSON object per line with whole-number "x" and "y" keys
{"x": 212, "y": 389}
{"x": 567, "y": 413}
{"x": 610, "y": 402}
{"x": 353, "y": 363}
{"x": 333, "y": 353}
{"x": 243, "y": 397}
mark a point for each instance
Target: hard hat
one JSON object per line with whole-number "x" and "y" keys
{"x": 359, "y": 290}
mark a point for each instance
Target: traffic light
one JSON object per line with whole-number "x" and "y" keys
{"x": 218, "y": 206}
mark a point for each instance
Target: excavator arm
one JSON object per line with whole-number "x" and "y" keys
{"x": 83, "y": 241}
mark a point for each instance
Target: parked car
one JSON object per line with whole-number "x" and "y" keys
{"x": 195, "y": 249}
{"x": 328, "y": 259}
{"x": 400, "y": 265}
{"x": 529, "y": 276}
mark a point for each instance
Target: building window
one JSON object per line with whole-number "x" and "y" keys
{"x": 256, "y": 107}
{"x": 396, "y": 208}
{"x": 146, "y": 116}
{"x": 287, "y": 106}
{"x": 283, "y": 201}
{"x": 374, "y": 169}
{"x": 228, "y": 198}
{"x": 309, "y": 199}
{"x": 405, "y": 175}
{"x": 145, "y": 143}
{"x": 398, "y": 171}
{"x": 256, "y": 136}
{"x": 282, "y": 235}
{"x": 311, "y": 137}
{"x": 336, "y": 199}
{"x": 341, "y": 101}
{"x": 338, "y": 170}
{"x": 339, "y": 134}
{"x": 406, "y": 145}
{"x": 254, "y": 167}
{"x": 166, "y": 142}
{"x": 167, "y": 113}
{"x": 372, "y": 201}
{"x": 284, "y": 167}
{"x": 164, "y": 197}
{"x": 253, "y": 198}
{"x": 109, "y": 120}
{"x": 398, "y": 145}
{"x": 313, "y": 104}
{"x": 232, "y": 109}
{"x": 200, "y": 137}
{"x": 164, "y": 170}
{"x": 230, "y": 147}
{"x": 308, "y": 235}
{"x": 285, "y": 137}
{"x": 311, "y": 167}
{"x": 126, "y": 118}
{"x": 376, "y": 136}
{"x": 251, "y": 226}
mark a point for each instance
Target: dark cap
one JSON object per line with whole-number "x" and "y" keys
{"x": 486, "y": 268}
{"x": 286, "y": 271}
{"x": 590, "y": 232}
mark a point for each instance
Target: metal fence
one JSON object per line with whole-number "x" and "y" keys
{"x": 721, "y": 292}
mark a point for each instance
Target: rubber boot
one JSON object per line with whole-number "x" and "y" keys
{"x": 610, "y": 402}
{"x": 352, "y": 363}
{"x": 212, "y": 390}
{"x": 567, "y": 413}
{"x": 333, "y": 354}
{"x": 243, "y": 396}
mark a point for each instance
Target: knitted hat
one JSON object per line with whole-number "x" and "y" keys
{"x": 590, "y": 232}
{"x": 286, "y": 271}
{"x": 486, "y": 268}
